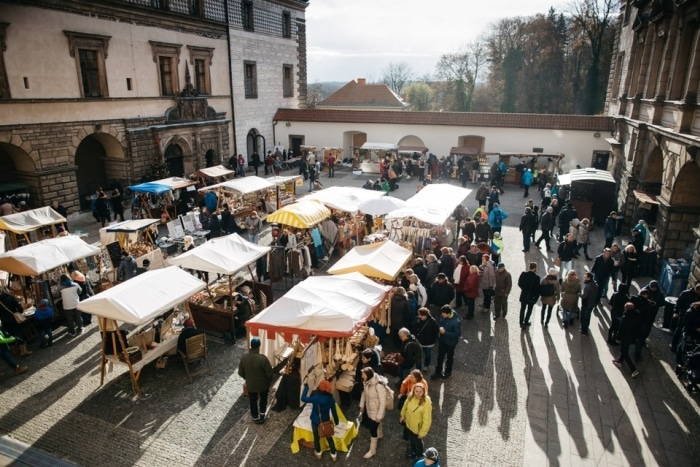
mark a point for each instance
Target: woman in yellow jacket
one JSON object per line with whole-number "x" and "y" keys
{"x": 417, "y": 414}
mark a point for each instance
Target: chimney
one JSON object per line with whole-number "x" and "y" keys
{"x": 361, "y": 81}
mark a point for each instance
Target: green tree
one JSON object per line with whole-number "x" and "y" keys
{"x": 420, "y": 96}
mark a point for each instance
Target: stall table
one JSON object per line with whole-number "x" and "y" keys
{"x": 345, "y": 431}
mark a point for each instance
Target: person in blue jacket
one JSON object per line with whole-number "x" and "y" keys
{"x": 496, "y": 218}
{"x": 527, "y": 181}
{"x": 323, "y": 408}
{"x": 430, "y": 458}
{"x": 450, "y": 332}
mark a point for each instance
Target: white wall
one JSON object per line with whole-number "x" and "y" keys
{"x": 578, "y": 146}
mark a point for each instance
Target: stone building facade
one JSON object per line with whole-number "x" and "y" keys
{"x": 652, "y": 95}
{"x": 93, "y": 91}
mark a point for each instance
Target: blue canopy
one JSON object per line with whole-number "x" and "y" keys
{"x": 151, "y": 187}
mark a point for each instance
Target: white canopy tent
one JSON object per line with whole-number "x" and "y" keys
{"x": 380, "y": 146}
{"x": 343, "y": 198}
{"x": 433, "y": 204}
{"x": 223, "y": 255}
{"x": 382, "y": 205}
{"x": 329, "y": 306}
{"x": 142, "y": 298}
{"x": 28, "y": 221}
{"x": 213, "y": 172}
{"x": 36, "y": 258}
{"x": 383, "y": 260}
{"x": 243, "y": 185}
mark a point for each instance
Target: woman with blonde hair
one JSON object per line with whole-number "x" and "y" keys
{"x": 471, "y": 290}
{"x": 373, "y": 406}
{"x": 417, "y": 414}
{"x": 582, "y": 239}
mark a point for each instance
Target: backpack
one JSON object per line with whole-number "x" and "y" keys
{"x": 389, "y": 397}
{"x": 497, "y": 218}
{"x": 546, "y": 290}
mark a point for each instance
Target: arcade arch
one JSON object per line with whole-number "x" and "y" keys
{"x": 90, "y": 159}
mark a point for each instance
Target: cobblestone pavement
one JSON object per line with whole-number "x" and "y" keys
{"x": 543, "y": 397}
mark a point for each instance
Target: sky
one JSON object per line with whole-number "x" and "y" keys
{"x": 349, "y": 39}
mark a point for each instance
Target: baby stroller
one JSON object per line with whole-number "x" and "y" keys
{"x": 689, "y": 370}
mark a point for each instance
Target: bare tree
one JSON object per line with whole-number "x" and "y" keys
{"x": 314, "y": 95}
{"x": 397, "y": 75}
{"x": 460, "y": 70}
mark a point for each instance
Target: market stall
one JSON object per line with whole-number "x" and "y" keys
{"x": 327, "y": 316}
{"x": 541, "y": 161}
{"x": 227, "y": 304}
{"x": 25, "y": 227}
{"x": 302, "y": 220}
{"x": 213, "y": 173}
{"x": 285, "y": 191}
{"x": 427, "y": 217}
{"x": 243, "y": 195}
{"x": 135, "y": 304}
{"x": 381, "y": 260}
{"x": 371, "y": 153}
{"x": 137, "y": 237}
{"x": 159, "y": 199}
{"x": 38, "y": 267}
{"x": 592, "y": 193}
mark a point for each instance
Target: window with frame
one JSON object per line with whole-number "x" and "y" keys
{"x": 247, "y": 16}
{"x": 200, "y": 59}
{"x": 286, "y": 24}
{"x": 167, "y": 58}
{"x": 287, "y": 81}
{"x": 90, "y": 52}
{"x": 250, "y": 80}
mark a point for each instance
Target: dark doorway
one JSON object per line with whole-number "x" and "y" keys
{"x": 209, "y": 158}
{"x": 174, "y": 161}
{"x": 296, "y": 142}
{"x": 89, "y": 157}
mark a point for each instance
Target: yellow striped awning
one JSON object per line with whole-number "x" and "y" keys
{"x": 302, "y": 215}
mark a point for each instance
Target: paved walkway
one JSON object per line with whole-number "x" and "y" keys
{"x": 514, "y": 398}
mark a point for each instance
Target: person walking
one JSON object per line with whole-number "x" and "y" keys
{"x": 43, "y": 317}
{"x": 582, "y": 238}
{"x": 459, "y": 276}
{"x": 482, "y": 194}
{"x": 471, "y": 290}
{"x": 496, "y": 217}
{"x": 589, "y": 299}
{"x": 567, "y": 214}
{"x": 256, "y": 370}
{"x": 546, "y": 226}
{"x": 241, "y": 165}
{"x": 411, "y": 353}
{"x": 102, "y": 209}
{"x": 565, "y": 253}
{"x": 529, "y": 284}
{"x": 528, "y": 224}
{"x": 487, "y": 281}
{"x": 427, "y": 333}
{"x": 253, "y": 225}
{"x": 6, "y": 354}
{"x": 70, "y": 294}
{"x": 117, "y": 201}
{"x": 400, "y": 315}
{"x": 570, "y": 290}
{"x": 504, "y": 284}
{"x": 322, "y": 408}
{"x": 617, "y": 308}
{"x": 627, "y": 334}
{"x": 417, "y": 414}
{"x": 441, "y": 292}
{"x": 602, "y": 270}
{"x": 550, "y": 294}
{"x": 255, "y": 162}
{"x": 497, "y": 247}
{"x": 610, "y": 229}
{"x": 373, "y": 406}
{"x": 450, "y": 332}
{"x": 527, "y": 181}
{"x": 494, "y": 198}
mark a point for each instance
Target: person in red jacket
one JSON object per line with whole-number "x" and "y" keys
{"x": 471, "y": 290}
{"x": 459, "y": 278}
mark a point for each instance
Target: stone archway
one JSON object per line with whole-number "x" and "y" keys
{"x": 255, "y": 142}
{"x": 177, "y": 156}
{"x": 651, "y": 174}
{"x": 352, "y": 140}
{"x": 472, "y": 141}
{"x": 17, "y": 173}
{"x": 683, "y": 193}
{"x": 411, "y": 140}
{"x": 680, "y": 215}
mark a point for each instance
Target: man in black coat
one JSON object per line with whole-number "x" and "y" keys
{"x": 565, "y": 217}
{"x": 546, "y": 226}
{"x": 529, "y": 283}
{"x": 627, "y": 333}
{"x": 411, "y": 353}
{"x": 427, "y": 333}
{"x": 602, "y": 270}
{"x": 685, "y": 300}
{"x": 441, "y": 292}
{"x": 482, "y": 232}
{"x": 528, "y": 225}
